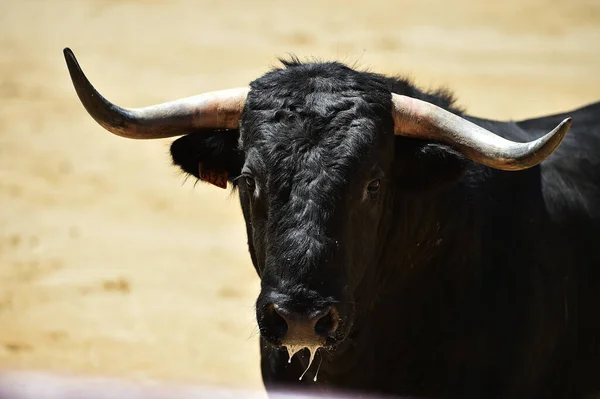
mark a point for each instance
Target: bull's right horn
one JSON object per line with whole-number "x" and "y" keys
{"x": 214, "y": 110}
{"x": 420, "y": 119}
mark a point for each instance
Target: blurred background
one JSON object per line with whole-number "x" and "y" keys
{"x": 111, "y": 263}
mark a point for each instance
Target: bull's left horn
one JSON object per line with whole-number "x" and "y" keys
{"x": 216, "y": 110}
{"x": 420, "y": 119}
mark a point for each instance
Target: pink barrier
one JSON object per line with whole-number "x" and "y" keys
{"x": 51, "y": 386}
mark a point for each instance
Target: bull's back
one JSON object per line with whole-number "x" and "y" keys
{"x": 570, "y": 184}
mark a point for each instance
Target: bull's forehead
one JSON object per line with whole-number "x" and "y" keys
{"x": 323, "y": 116}
{"x": 310, "y": 147}
{"x": 319, "y": 96}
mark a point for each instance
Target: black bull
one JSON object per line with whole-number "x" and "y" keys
{"x": 413, "y": 266}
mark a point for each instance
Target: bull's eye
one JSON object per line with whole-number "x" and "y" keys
{"x": 249, "y": 182}
{"x": 373, "y": 186}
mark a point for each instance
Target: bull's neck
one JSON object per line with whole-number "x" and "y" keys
{"x": 417, "y": 273}
{"x": 421, "y": 244}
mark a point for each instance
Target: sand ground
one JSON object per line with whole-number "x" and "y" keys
{"x": 110, "y": 262}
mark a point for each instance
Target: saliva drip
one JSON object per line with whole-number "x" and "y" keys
{"x": 312, "y": 350}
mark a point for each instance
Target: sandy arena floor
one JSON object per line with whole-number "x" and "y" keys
{"x": 110, "y": 263}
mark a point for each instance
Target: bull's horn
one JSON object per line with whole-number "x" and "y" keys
{"x": 420, "y": 119}
{"x": 216, "y": 110}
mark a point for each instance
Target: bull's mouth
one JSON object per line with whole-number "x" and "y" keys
{"x": 329, "y": 343}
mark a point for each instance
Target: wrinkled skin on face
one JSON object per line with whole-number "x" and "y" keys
{"x": 313, "y": 187}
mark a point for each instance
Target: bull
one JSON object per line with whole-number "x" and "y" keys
{"x": 406, "y": 247}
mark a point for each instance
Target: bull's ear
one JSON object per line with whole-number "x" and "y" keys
{"x": 212, "y": 157}
{"x": 423, "y": 166}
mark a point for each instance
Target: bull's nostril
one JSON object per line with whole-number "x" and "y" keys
{"x": 327, "y": 324}
{"x": 275, "y": 325}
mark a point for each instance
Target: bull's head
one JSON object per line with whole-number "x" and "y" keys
{"x": 311, "y": 149}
